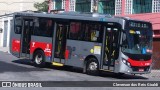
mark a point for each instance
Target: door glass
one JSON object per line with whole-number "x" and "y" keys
{"x": 60, "y": 43}
{"x": 28, "y": 26}
{"x": 111, "y": 45}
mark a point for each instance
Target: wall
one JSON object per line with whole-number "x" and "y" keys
{"x": 10, "y": 6}
{"x": 3, "y": 19}
{"x": 156, "y": 53}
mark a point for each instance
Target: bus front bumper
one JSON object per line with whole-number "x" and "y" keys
{"x": 134, "y": 70}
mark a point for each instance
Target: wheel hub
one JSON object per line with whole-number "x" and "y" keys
{"x": 38, "y": 59}
{"x": 93, "y": 66}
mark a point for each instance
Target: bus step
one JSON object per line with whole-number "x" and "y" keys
{"x": 57, "y": 64}
{"x": 105, "y": 67}
{"x": 22, "y": 57}
{"x": 108, "y": 68}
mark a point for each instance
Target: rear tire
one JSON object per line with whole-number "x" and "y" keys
{"x": 92, "y": 67}
{"x": 39, "y": 59}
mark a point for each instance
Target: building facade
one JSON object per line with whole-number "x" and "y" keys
{"x": 7, "y": 7}
{"x": 5, "y": 27}
{"x": 148, "y": 10}
{"x": 10, "y": 6}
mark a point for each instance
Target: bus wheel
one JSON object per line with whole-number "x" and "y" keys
{"x": 92, "y": 67}
{"x": 39, "y": 59}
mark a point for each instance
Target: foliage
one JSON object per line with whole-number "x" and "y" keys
{"x": 41, "y": 6}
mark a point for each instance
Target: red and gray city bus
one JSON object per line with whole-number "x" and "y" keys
{"x": 90, "y": 41}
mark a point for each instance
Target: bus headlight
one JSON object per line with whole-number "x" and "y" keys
{"x": 126, "y": 62}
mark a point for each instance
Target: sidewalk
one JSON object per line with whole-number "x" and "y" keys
{"x": 153, "y": 74}
{"x": 4, "y": 49}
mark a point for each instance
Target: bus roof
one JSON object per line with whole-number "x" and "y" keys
{"x": 128, "y": 18}
{"x": 80, "y": 16}
{"x": 73, "y": 15}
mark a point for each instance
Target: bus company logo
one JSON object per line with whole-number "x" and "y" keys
{"x": 142, "y": 64}
{"x": 33, "y": 44}
{"x": 17, "y": 41}
{"x": 6, "y": 84}
{"x": 147, "y": 64}
{"x": 47, "y": 49}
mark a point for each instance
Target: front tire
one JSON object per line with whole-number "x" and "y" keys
{"x": 92, "y": 67}
{"x": 39, "y": 59}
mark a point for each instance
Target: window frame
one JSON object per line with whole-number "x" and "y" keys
{"x": 20, "y": 26}
{"x": 99, "y": 40}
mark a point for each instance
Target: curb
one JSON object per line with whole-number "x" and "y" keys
{"x": 4, "y": 49}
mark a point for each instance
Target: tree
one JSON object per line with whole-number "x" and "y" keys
{"x": 41, "y": 6}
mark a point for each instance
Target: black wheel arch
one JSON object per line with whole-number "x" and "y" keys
{"x": 37, "y": 49}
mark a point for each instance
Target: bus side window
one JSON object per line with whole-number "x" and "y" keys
{"x": 18, "y": 25}
{"x": 85, "y": 31}
{"x": 93, "y": 32}
{"x": 74, "y": 30}
{"x": 43, "y": 27}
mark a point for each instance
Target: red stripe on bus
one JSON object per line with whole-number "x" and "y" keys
{"x": 16, "y": 45}
{"x": 66, "y": 54}
{"x": 46, "y": 47}
{"x": 140, "y": 63}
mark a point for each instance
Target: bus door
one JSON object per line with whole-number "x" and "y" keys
{"x": 111, "y": 45}
{"x": 60, "y": 37}
{"x": 26, "y": 37}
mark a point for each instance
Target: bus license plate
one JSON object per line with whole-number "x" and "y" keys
{"x": 141, "y": 69}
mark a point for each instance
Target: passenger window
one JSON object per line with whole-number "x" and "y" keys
{"x": 43, "y": 27}
{"x": 93, "y": 32}
{"x": 18, "y": 25}
{"x": 74, "y": 30}
{"x": 86, "y": 31}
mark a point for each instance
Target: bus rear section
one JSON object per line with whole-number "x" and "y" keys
{"x": 16, "y": 33}
{"x": 30, "y": 35}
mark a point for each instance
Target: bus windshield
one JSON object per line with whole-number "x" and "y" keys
{"x": 138, "y": 39}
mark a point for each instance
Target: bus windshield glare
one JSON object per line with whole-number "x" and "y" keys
{"x": 138, "y": 38}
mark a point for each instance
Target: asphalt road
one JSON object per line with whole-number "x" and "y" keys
{"x": 14, "y": 69}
